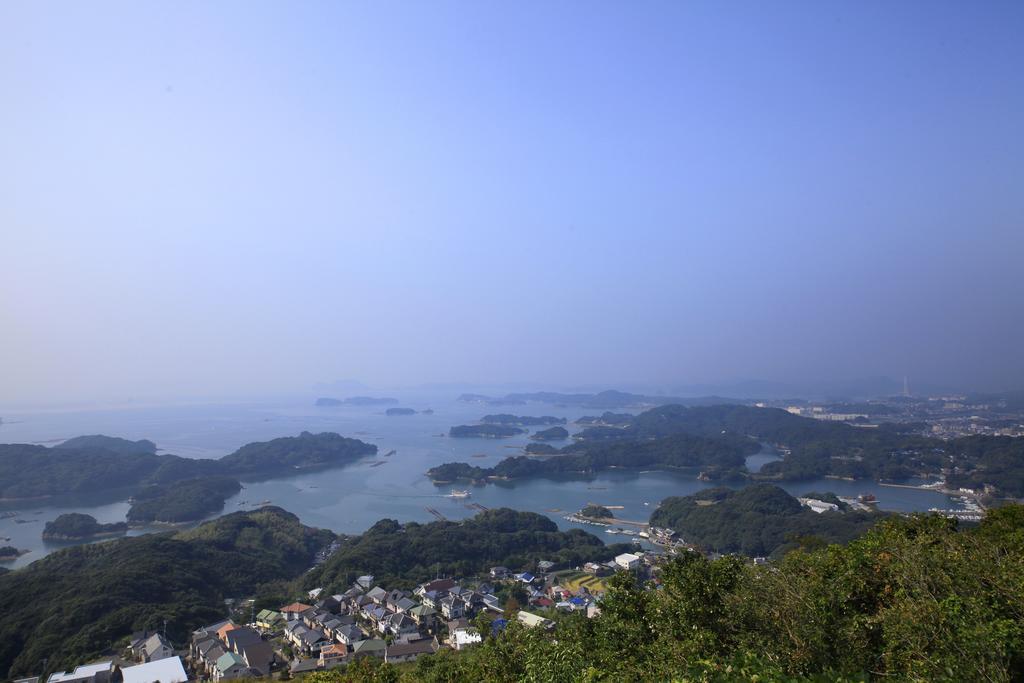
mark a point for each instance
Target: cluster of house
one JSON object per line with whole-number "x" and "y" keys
{"x": 366, "y": 620}
{"x": 225, "y": 650}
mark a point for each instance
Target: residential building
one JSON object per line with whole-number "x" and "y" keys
{"x": 156, "y": 647}
{"x": 534, "y": 620}
{"x": 295, "y": 610}
{"x": 230, "y": 666}
{"x": 627, "y": 561}
{"x": 371, "y": 647}
{"x": 98, "y": 672}
{"x": 333, "y": 655}
{"x": 462, "y": 638}
{"x": 411, "y": 651}
{"x": 164, "y": 670}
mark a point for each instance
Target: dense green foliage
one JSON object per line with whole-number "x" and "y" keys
{"x": 522, "y": 421}
{"x": 757, "y": 520}
{"x": 74, "y": 603}
{"x": 539, "y": 448}
{"x": 73, "y": 526}
{"x": 980, "y": 460}
{"x": 182, "y": 501}
{"x": 913, "y": 599}
{"x": 402, "y": 555}
{"x": 27, "y": 470}
{"x": 110, "y": 443}
{"x": 718, "y": 457}
{"x": 487, "y": 431}
{"x": 551, "y": 434}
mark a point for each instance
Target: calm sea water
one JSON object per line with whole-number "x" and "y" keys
{"x": 352, "y": 498}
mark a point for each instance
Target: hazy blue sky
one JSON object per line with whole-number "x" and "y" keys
{"x": 213, "y": 197}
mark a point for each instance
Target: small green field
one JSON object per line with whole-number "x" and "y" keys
{"x": 573, "y": 580}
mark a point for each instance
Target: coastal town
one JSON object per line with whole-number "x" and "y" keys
{"x": 324, "y": 631}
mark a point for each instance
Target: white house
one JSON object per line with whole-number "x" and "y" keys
{"x": 166, "y": 670}
{"x": 628, "y": 561}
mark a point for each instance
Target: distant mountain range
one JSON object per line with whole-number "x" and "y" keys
{"x": 601, "y": 400}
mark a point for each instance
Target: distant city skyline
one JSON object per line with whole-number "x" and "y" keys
{"x": 240, "y": 199}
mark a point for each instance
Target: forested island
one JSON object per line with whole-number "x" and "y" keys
{"x": 757, "y": 520}
{"x": 399, "y": 411}
{"x": 551, "y": 434}
{"x": 485, "y": 431}
{"x": 522, "y": 420}
{"x": 596, "y": 512}
{"x": 75, "y": 526}
{"x": 8, "y": 553}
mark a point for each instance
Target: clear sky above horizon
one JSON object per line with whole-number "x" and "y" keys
{"x": 230, "y": 197}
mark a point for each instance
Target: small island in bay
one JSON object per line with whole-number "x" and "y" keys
{"x": 9, "y": 553}
{"x": 485, "y": 431}
{"x": 540, "y": 448}
{"x": 75, "y": 526}
{"x": 399, "y": 411}
{"x": 598, "y": 512}
{"x": 551, "y": 434}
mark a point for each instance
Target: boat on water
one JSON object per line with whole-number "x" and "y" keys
{"x": 456, "y": 493}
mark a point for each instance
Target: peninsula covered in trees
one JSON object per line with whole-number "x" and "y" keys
{"x": 522, "y": 420}
{"x": 74, "y": 526}
{"x": 182, "y": 501}
{"x": 813, "y": 449}
{"x": 716, "y": 457}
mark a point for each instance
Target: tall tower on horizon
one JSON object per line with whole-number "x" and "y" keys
{"x": 906, "y": 386}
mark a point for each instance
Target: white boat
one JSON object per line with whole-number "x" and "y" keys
{"x": 458, "y": 494}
